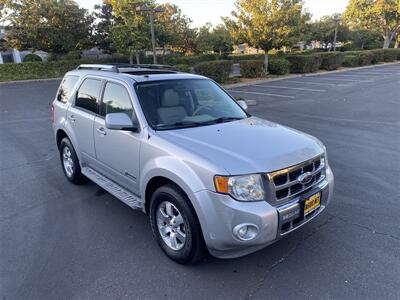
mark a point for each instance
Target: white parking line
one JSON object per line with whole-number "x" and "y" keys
{"x": 288, "y": 88}
{"x": 318, "y": 83}
{"x": 343, "y": 79}
{"x": 264, "y": 94}
{"x": 371, "y": 73}
{"x": 348, "y": 75}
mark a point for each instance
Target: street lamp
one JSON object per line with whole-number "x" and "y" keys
{"x": 337, "y": 21}
{"x": 152, "y": 11}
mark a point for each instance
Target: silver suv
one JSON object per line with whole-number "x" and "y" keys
{"x": 178, "y": 147}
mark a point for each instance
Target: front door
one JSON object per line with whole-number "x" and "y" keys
{"x": 117, "y": 151}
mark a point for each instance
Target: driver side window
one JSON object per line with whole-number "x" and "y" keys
{"x": 116, "y": 100}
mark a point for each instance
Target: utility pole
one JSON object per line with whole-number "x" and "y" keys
{"x": 152, "y": 12}
{"x": 337, "y": 20}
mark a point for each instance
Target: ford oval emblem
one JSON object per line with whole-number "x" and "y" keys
{"x": 305, "y": 178}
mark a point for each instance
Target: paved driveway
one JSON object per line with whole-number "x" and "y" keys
{"x": 60, "y": 241}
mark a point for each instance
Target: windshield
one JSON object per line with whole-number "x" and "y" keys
{"x": 182, "y": 103}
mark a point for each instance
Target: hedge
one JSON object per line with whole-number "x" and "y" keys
{"x": 182, "y": 68}
{"x": 390, "y": 54}
{"x": 38, "y": 70}
{"x": 304, "y": 63}
{"x": 217, "y": 70}
{"x": 278, "y": 66}
{"x": 32, "y": 57}
{"x": 251, "y": 68}
{"x": 350, "y": 61}
{"x": 377, "y": 56}
{"x": 331, "y": 60}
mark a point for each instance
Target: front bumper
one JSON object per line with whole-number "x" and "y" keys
{"x": 219, "y": 214}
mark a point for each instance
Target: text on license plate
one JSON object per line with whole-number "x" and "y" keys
{"x": 312, "y": 203}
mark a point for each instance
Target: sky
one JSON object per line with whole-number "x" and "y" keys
{"x": 203, "y": 11}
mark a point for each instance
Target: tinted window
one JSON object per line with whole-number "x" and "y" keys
{"x": 88, "y": 94}
{"x": 116, "y": 99}
{"x": 66, "y": 86}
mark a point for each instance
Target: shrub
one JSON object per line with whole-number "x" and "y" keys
{"x": 251, "y": 68}
{"x": 54, "y": 69}
{"x": 350, "y": 61}
{"x": 331, "y": 60}
{"x": 217, "y": 70}
{"x": 390, "y": 54}
{"x": 279, "y": 66}
{"x": 182, "y": 68}
{"x": 365, "y": 58}
{"x": 377, "y": 56}
{"x": 304, "y": 63}
{"x": 32, "y": 57}
{"x": 72, "y": 55}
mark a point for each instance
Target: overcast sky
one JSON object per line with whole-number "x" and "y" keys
{"x": 202, "y": 11}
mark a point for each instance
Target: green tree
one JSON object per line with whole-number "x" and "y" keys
{"x": 365, "y": 39}
{"x": 377, "y": 15}
{"x": 267, "y": 24}
{"x": 323, "y": 30}
{"x": 49, "y": 25}
{"x": 102, "y": 29}
{"x": 216, "y": 39}
{"x": 130, "y": 34}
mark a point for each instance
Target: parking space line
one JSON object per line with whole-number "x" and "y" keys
{"x": 343, "y": 79}
{"x": 288, "y": 88}
{"x": 348, "y": 75}
{"x": 318, "y": 83}
{"x": 264, "y": 94}
{"x": 375, "y": 73}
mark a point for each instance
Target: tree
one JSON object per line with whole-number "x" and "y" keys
{"x": 171, "y": 28}
{"x": 267, "y": 24}
{"x": 323, "y": 30}
{"x": 380, "y": 15}
{"x": 216, "y": 39}
{"x": 102, "y": 30}
{"x": 49, "y": 25}
{"x": 365, "y": 39}
{"x": 130, "y": 34}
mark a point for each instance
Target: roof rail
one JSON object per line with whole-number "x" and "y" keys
{"x": 146, "y": 66}
{"x": 98, "y": 67}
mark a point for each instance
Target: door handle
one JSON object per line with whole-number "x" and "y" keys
{"x": 101, "y": 130}
{"x": 72, "y": 118}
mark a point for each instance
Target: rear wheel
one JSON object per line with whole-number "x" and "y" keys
{"x": 70, "y": 162}
{"x": 175, "y": 225}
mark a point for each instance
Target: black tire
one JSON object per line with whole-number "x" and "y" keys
{"x": 76, "y": 177}
{"x": 194, "y": 248}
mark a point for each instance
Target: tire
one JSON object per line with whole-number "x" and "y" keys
{"x": 193, "y": 248}
{"x": 69, "y": 158}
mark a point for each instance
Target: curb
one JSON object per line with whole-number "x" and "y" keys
{"x": 31, "y": 80}
{"x": 241, "y": 84}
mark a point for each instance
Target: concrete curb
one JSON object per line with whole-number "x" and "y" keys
{"x": 30, "y": 80}
{"x": 235, "y": 85}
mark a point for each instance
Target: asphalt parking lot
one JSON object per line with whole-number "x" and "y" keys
{"x": 60, "y": 241}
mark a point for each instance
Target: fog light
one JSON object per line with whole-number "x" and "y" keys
{"x": 245, "y": 232}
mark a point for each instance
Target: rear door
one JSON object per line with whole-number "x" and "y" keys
{"x": 81, "y": 115}
{"x": 117, "y": 151}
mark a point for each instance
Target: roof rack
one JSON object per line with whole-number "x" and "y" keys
{"x": 110, "y": 68}
{"x": 124, "y": 67}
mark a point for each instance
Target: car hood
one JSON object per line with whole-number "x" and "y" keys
{"x": 245, "y": 146}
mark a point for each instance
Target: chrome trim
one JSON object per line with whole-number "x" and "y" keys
{"x": 274, "y": 188}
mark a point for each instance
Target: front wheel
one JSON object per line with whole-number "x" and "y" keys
{"x": 175, "y": 225}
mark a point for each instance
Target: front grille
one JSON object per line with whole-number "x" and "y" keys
{"x": 284, "y": 183}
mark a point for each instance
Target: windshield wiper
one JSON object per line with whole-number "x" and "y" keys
{"x": 222, "y": 120}
{"x": 179, "y": 124}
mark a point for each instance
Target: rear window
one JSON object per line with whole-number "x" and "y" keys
{"x": 66, "y": 87}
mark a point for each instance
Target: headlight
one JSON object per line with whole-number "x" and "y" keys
{"x": 243, "y": 188}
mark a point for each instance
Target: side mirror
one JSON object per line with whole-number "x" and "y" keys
{"x": 243, "y": 104}
{"x": 120, "y": 121}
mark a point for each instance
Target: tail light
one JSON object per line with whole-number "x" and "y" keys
{"x": 52, "y": 113}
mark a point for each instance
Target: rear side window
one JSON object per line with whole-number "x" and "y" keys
{"x": 88, "y": 94}
{"x": 66, "y": 87}
{"x": 116, "y": 100}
